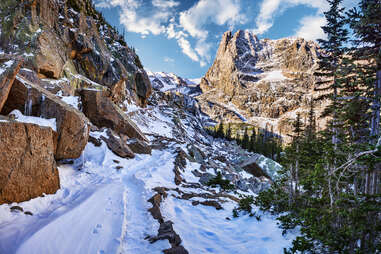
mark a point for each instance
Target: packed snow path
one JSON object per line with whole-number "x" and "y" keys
{"x": 102, "y": 209}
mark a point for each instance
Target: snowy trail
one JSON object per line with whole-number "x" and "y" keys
{"x": 111, "y": 219}
{"x": 91, "y": 227}
{"x": 103, "y": 210}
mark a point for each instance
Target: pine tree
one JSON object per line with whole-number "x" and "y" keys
{"x": 366, "y": 24}
{"x": 246, "y": 139}
{"x": 229, "y": 133}
{"x": 253, "y": 142}
{"x": 311, "y": 127}
{"x": 220, "y": 131}
{"x": 329, "y": 67}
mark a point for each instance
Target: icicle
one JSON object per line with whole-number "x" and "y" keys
{"x": 28, "y": 103}
{"x": 42, "y": 106}
{"x": 83, "y": 158}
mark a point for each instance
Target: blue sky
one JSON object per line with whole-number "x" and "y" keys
{"x": 182, "y": 36}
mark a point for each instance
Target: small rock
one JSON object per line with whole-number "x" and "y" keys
{"x": 117, "y": 146}
{"x": 176, "y": 250}
{"x": 28, "y": 213}
{"x": 213, "y": 203}
{"x": 194, "y": 203}
{"x": 96, "y": 141}
{"x": 138, "y": 146}
{"x": 196, "y": 173}
{"x": 205, "y": 178}
{"x": 16, "y": 209}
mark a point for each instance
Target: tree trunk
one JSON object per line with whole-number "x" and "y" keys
{"x": 375, "y": 130}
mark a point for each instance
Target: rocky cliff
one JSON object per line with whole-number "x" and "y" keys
{"x": 61, "y": 62}
{"x": 69, "y": 40}
{"x": 262, "y": 82}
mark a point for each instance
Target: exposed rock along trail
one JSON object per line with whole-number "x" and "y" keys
{"x": 113, "y": 219}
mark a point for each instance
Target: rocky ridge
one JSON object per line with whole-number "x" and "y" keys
{"x": 262, "y": 82}
{"x": 61, "y": 61}
{"x": 165, "y": 82}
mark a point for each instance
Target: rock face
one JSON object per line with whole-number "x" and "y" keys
{"x": 104, "y": 113}
{"x": 138, "y": 146}
{"x": 117, "y": 145}
{"x": 9, "y": 71}
{"x": 72, "y": 125}
{"x": 28, "y": 169}
{"x": 63, "y": 39}
{"x": 263, "y": 82}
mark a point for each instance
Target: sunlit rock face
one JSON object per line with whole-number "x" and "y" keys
{"x": 263, "y": 82}
{"x": 68, "y": 39}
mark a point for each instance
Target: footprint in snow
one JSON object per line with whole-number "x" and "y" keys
{"x": 97, "y": 228}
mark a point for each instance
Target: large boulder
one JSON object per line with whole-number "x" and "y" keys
{"x": 27, "y": 168}
{"x": 72, "y": 125}
{"x": 8, "y": 72}
{"x": 138, "y": 146}
{"x": 102, "y": 112}
{"x": 250, "y": 165}
{"x": 117, "y": 145}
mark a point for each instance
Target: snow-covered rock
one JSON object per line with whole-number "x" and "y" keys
{"x": 261, "y": 82}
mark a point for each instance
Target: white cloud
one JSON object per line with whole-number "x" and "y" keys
{"x": 143, "y": 25}
{"x": 188, "y": 28}
{"x": 168, "y": 59}
{"x": 164, "y": 4}
{"x": 310, "y": 28}
{"x": 187, "y": 49}
{"x": 143, "y": 22}
{"x": 204, "y": 12}
{"x": 269, "y": 9}
{"x": 219, "y": 12}
{"x": 203, "y": 48}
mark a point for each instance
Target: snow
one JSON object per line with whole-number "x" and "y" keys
{"x": 154, "y": 122}
{"x": 6, "y": 64}
{"x": 275, "y": 75}
{"x": 104, "y": 209}
{"x": 28, "y": 54}
{"x": 71, "y": 100}
{"x": 100, "y": 209}
{"x": 271, "y": 167}
{"x": 195, "y": 80}
{"x": 19, "y": 117}
{"x": 206, "y": 230}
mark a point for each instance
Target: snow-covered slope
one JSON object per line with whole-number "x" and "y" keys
{"x": 103, "y": 207}
{"x": 171, "y": 82}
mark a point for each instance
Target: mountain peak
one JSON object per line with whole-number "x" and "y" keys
{"x": 265, "y": 80}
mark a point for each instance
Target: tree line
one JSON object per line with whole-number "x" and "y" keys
{"x": 253, "y": 139}
{"x": 330, "y": 183}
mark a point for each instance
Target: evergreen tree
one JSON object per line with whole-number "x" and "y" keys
{"x": 220, "y": 131}
{"x": 311, "y": 127}
{"x": 246, "y": 139}
{"x": 229, "y": 133}
{"x": 253, "y": 142}
{"x": 366, "y": 24}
